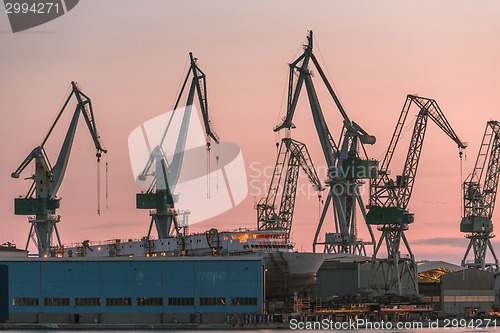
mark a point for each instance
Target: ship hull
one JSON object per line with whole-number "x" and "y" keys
{"x": 289, "y": 273}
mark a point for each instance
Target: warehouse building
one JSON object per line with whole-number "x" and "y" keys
{"x": 455, "y": 290}
{"x": 450, "y": 289}
{"x": 130, "y": 290}
{"x": 468, "y": 292}
{"x": 429, "y": 280}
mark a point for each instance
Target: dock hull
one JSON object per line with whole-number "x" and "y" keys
{"x": 285, "y": 273}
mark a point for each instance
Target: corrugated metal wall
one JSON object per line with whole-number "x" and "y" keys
{"x": 153, "y": 285}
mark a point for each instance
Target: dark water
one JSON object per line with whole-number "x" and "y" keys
{"x": 424, "y": 330}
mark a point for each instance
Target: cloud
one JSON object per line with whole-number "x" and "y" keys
{"x": 445, "y": 241}
{"x": 448, "y": 241}
{"x": 108, "y": 225}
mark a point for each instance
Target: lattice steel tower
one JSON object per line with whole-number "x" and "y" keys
{"x": 479, "y": 195}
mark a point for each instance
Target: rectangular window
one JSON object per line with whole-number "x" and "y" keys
{"x": 149, "y": 301}
{"x": 181, "y": 301}
{"x": 447, "y": 299}
{"x": 25, "y": 301}
{"x": 212, "y": 301}
{"x": 237, "y": 301}
{"x": 56, "y": 301}
{"x": 473, "y": 299}
{"x": 118, "y": 301}
{"x": 87, "y": 301}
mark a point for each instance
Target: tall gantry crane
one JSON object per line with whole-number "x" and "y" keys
{"x": 480, "y": 190}
{"x": 160, "y": 197}
{"x": 346, "y": 167}
{"x": 41, "y": 199}
{"x": 389, "y": 200}
{"x": 292, "y": 156}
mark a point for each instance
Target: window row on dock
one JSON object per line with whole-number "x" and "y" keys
{"x": 128, "y": 301}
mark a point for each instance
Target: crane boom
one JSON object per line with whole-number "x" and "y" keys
{"x": 42, "y": 200}
{"x": 62, "y": 161}
{"x": 428, "y": 109}
{"x": 292, "y": 156}
{"x": 480, "y": 190}
{"x": 492, "y": 174}
{"x": 396, "y": 193}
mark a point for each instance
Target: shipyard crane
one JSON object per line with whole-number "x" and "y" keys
{"x": 479, "y": 194}
{"x": 389, "y": 198}
{"x": 160, "y": 197}
{"x": 292, "y": 156}
{"x": 41, "y": 199}
{"x": 346, "y": 167}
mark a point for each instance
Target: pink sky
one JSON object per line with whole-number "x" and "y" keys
{"x": 129, "y": 56}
